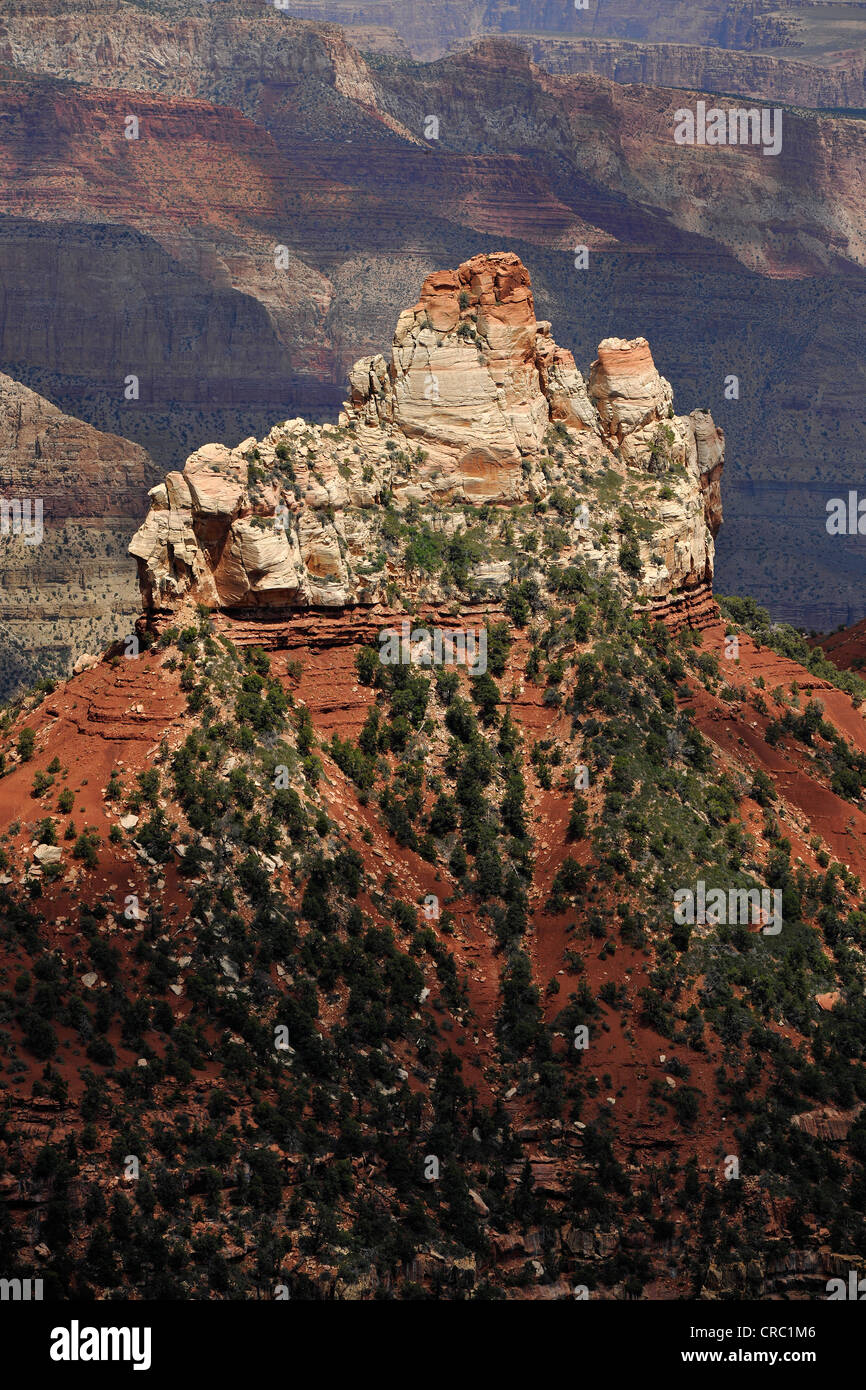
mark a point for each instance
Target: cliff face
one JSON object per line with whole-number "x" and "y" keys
{"x": 307, "y": 84}
{"x": 770, "y": 213}
{"x": 477, "y": 405}
{"x": 432, "y": 26}
{"x": 806, "y": 54}
{"x": 65, "y": 586}
{"x": 78, "y": 471}
{"x": 763, "y": 76}
{"x": 157, "y": 188}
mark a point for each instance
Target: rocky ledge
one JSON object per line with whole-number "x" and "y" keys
{"x": 477, "y": 413}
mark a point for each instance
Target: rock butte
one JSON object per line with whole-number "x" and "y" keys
{"x": 460, "y": 413}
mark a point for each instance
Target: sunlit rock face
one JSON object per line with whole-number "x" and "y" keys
{"x": 627, "y": 391}
{"x": 475, "y": 379}
{"x": 477, "y": 404}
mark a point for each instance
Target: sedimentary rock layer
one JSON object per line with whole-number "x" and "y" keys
{"x": 469, "y": 408}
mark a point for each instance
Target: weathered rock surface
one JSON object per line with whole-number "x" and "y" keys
{"x": 477, "y": 405}
{"x": 835, "y": 81}
{"x": 65, "y": 585}
{"x": 626, "y": 389}
{"x": 75, "y": 469}
{"x": 663, "y": 41}
{"x": 827, "y": 1123}
{"x": 471, "y": 378}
